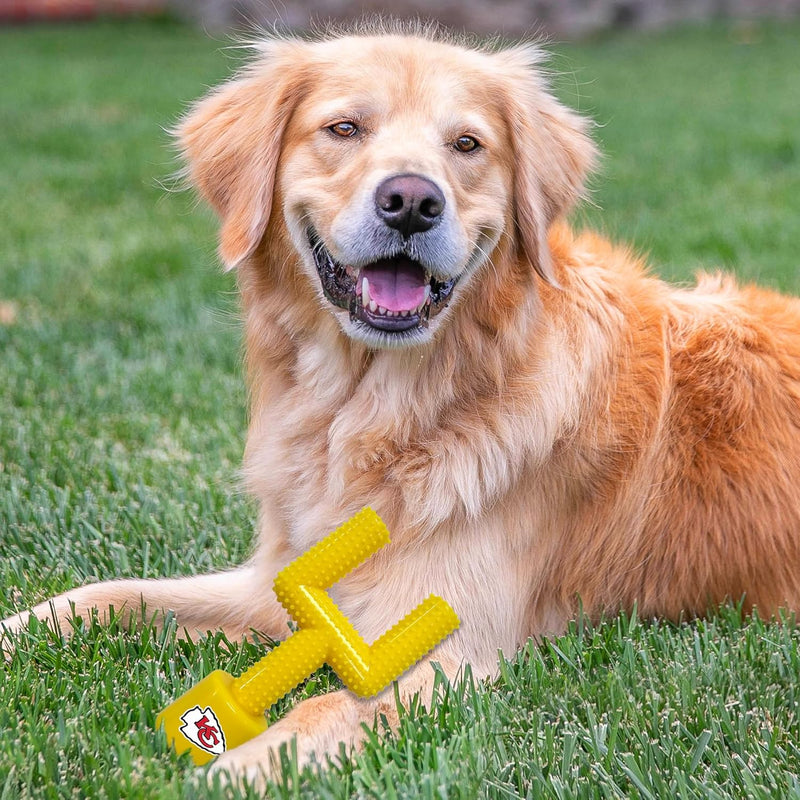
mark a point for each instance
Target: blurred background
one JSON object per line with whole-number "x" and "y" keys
{"x": 562, "y": 18}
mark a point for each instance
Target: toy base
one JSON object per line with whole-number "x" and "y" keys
{"x": 207, "y": 720}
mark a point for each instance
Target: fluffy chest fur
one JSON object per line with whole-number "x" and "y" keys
{"x": 432, "y": 437}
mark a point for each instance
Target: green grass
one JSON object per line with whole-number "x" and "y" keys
{"x": 122, "y": 420}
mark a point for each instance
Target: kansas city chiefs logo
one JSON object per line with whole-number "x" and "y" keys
{"x": 201, "y": 727}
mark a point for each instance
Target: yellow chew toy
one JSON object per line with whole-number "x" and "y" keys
{"x": 222, "y": 712}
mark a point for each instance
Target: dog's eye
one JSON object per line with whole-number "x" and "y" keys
{"x": 466, "y": 144}
{"x": 343, "y": 129}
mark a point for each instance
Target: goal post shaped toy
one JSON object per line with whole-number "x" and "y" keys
{"x": 222, "y": 712}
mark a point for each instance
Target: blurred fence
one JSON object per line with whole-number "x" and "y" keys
{"x": 570, "y": 18}
{"x": 567, "y": 18}
{"x": 33, "y": 10}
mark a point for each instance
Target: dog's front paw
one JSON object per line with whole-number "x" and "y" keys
{"x": 10, "y": 628}
{"x": 13, "y": 625}
{"x": 311, "y": 733}
{"x": 259, "y": 761}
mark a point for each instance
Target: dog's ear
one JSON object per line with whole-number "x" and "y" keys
{"x": 231, "y": 140}
{"x": 552, "y": 153}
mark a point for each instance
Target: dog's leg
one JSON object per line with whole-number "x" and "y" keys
{"x": 235, "y": 602}
{"x": 320, "y": 724}
{"x": 483, "y": 587}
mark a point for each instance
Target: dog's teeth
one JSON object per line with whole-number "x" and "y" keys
{"x": 389, "y": 313}
{"x": 405, "y": 313}
{"x": 373, "y": 306}
{"x": 427, "y": 293}
{"x": 365, "y": 299}
{"x": 381, "y": 310}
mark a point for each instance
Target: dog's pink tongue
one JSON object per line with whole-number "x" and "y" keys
{"x": 397, "y": 284}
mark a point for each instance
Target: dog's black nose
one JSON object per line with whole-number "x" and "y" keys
{"x": 409, "y": 203}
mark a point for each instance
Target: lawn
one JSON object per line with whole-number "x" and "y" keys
{"x": 122, "y": 418}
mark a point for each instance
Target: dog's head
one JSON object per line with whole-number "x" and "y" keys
{"x": 396, "y": 163}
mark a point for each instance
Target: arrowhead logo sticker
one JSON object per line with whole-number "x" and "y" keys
{"x": 201, "y": 727}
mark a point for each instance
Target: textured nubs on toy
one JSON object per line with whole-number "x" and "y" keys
{"x": 222, "y": 712}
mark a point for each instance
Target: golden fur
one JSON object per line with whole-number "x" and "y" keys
{"x": 569, "y": 430}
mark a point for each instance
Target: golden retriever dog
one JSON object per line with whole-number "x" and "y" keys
{"x": 542, "y": 425}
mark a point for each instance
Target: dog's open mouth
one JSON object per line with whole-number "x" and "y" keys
{"x": 392, "y": 294}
